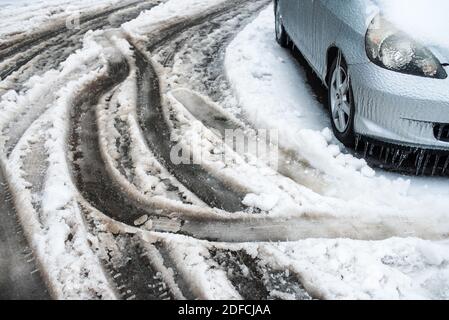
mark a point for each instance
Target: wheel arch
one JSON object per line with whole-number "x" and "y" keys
{"x": 331, "y": 55}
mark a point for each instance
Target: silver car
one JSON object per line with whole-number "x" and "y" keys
{"x": 386, "y": 80}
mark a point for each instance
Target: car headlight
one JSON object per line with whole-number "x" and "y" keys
{"x": 394, "y": 50}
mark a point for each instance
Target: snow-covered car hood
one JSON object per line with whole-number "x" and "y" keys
{"x": 425, "y": 20}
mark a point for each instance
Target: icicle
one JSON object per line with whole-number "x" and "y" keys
{"x": 381, "y": 152}
{"x": 395, "y": 156}
{"x": 404, "y": 156}
{"x": 365, "y": 153}
{"x": 419, "y": 162}
{"x": 426, "y": 162}
{"x": 371, "y": 150}
{"x": 357, "y": 141}
{"x": 446, "y": 164}
{"x": 435, "y": 166}
{"x": 440, "y": 132}
{"x": 387, "y": 155}
{"x": 417, "y": 158}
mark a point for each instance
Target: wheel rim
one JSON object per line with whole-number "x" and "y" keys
{"x": 340, "y": 99}
{"x": 278, "y": 23}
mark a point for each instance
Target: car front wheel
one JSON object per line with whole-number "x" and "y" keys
{"x": 341, "y": 102}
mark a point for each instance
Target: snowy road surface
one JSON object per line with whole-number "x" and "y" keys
{"x": 94, "y": 98}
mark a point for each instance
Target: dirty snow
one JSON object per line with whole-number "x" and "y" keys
{"x": 47, "y": 205}
{"x": 272, "y": 93}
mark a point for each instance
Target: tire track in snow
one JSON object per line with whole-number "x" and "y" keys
{"x": 181, "y": 283}
{"x": 91, "y": 96}
{"x": 90, "y": 175}
{"x": 134, "y": 276}
{"x": 157, "y": 132}
{"x": 210, "y": 45}
{"x": 87, "y": 22}
{"x": 92, "y": 132}
{"x": 170, "y": 33}
{"x": 152, "y": 119}
{"x": 218, "y": 120}
{"x": 56, "y": 51}
{"x": 207, "y": 39}
{"x": 20, "y": 278}
{"x": 255, "y": 282}
{"x": 131, "y": 163}
{"x": 93, "y": 180}
{"x": 135, "y": 267}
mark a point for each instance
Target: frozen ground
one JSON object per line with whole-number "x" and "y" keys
{"x": 89, "y": 120}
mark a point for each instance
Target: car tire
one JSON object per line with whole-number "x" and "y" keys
{"x": 341, "y": 103}
{"x": 281, "y": 35}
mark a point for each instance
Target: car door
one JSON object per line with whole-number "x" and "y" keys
{"x": 299, "y": 18}
{"x": 288, "y": 11}
{"x": 325, "y": 30}
{"x": 304, "y": 20}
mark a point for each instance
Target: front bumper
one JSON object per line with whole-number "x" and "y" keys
{"x": 400, "y": 109}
